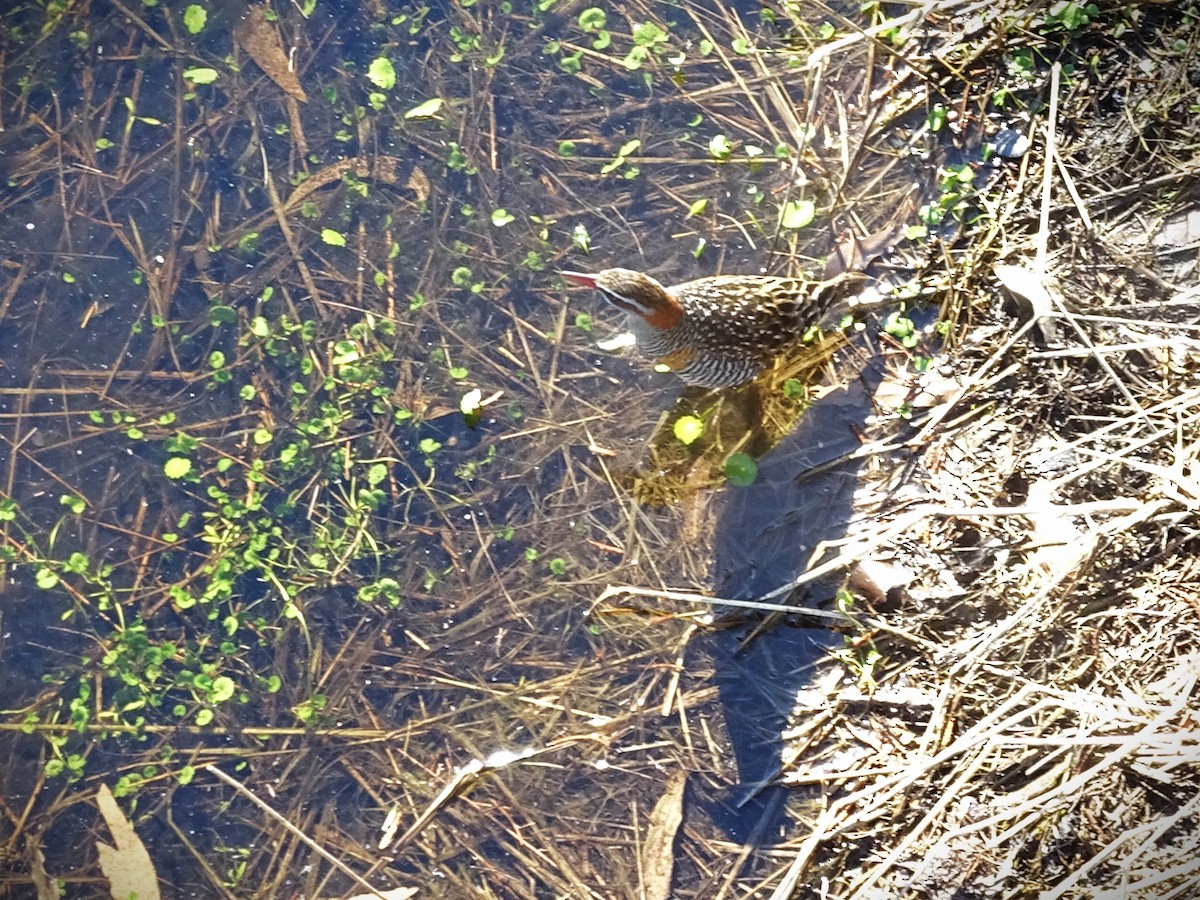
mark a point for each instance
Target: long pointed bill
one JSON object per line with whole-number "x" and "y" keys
{"x": 580, "y": 278}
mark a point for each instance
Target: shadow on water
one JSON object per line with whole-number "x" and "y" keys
{"x": 766, "y": 534}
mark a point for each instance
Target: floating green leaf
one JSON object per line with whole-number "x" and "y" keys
{"x": 333, "y": 238}
{"x": 647, "y": 34}
{"x": 223, "y": 687}
{"x": 198, "y": 75}
{"x": 382, "y": 74}
{"x": 76, "y": 504}
{"x": 592, "y": 19}
{"x": 741, "y": 469}
{"x": 426, "y": 110}
{"x": 177, "y": 467}
{"x": 720, "y": 147}
{"x": 902, "y": 328}
{"x": 220, "y": 314}
{"x": 626, "y": 149}
{"x": 688, "y": 429}
{"x": 797, "y": 213}
{"x": 501, "y": 217}
{"x": 195, "y": 17}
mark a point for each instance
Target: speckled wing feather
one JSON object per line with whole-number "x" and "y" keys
{"x": 737, "y": 323}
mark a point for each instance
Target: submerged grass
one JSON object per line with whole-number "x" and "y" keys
{"x": 315, "y": 475}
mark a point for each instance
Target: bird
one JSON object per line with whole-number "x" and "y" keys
{"x": 718, "y": 331}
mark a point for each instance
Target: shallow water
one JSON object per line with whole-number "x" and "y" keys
{"x": 345, "y": 549}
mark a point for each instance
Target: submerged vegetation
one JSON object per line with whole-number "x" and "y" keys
{"x": 318, "y": 489}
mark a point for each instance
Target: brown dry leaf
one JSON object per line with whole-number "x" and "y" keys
{"x": 47, "y": 888}
{"x": 260, "y": 40}
{"x": 419, "y": 184}
{"x": 127, "y": 866}
{"x": 854, "y": 254}
{"x": 658, "y": 853}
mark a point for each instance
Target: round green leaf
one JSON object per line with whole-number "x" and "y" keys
{"x": 797, "y": 213}
{"x": 592, "y": 19}
{"x": 741, "y": 469}
{"x": 177, "y": 467}
{"x": 221, "y": 314}
{"x": 223, "y": 688}
{"x": 688, "y": 429}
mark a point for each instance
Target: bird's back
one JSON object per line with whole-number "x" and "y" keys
{"x": 754, "y": 316}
